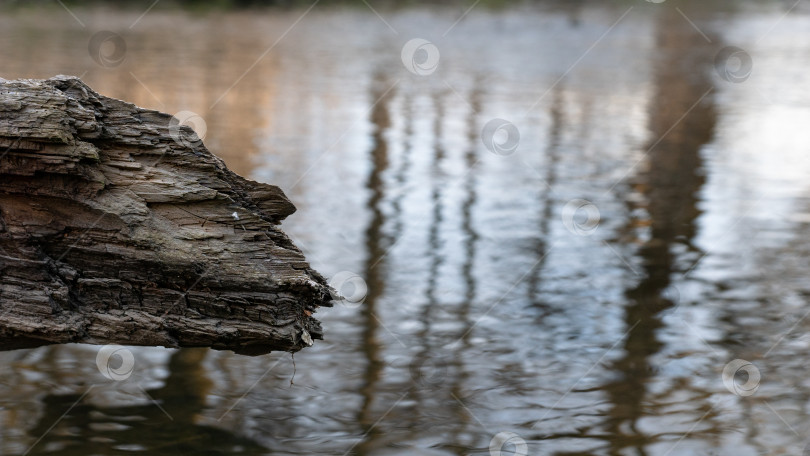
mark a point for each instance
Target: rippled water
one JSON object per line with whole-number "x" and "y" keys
{"x": 585, "y": 292}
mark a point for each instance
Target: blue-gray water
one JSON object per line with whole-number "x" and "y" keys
{"x": 584, "y": 292}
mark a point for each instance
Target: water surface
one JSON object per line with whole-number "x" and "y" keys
{"x": 585, "y": 292}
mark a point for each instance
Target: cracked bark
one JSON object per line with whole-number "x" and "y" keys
{"x": 116, "y": 226}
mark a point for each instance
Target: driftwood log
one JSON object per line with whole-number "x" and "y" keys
{"x": 117, "y": 226}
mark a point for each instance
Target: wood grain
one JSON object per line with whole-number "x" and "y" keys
{"x": 119, "y": 226}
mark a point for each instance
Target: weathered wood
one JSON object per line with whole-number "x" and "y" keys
{"x": 116, "y": 226}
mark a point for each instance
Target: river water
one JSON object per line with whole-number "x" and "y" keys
{"x": 570, "y": 219}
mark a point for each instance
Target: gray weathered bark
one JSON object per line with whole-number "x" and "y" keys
{"x": 118, "y": 226}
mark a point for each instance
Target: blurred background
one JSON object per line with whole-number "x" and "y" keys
{"x": 568, "y": 227}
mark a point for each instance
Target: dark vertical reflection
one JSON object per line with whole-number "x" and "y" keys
{"x": 425, "y": 366}
{"x": 552, "y": 153}
{"x": 381, "y": 95}
{"x": 669, "y": 186}
{"x": 467, "y": 223}
{"x": 402, "y": 171}
{"x": 164, "y": 424}
{"x": 470, "y": 242}
{"x": 436, "y": 218}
